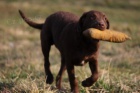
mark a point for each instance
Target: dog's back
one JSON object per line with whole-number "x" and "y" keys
{"x": 56, "y": 22}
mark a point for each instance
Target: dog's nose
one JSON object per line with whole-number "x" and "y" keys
{"x": 100, "y": 24}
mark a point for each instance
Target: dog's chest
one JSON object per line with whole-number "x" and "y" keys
{"x": 82, "y": 59}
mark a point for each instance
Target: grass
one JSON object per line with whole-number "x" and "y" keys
{"x": 21, "y": 59}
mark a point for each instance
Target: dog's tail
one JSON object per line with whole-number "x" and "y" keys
{"x": 29, "y": 22}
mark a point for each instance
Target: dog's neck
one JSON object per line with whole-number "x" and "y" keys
{"x": 86, "y": 42}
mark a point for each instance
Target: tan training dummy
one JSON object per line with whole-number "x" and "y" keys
{"x": 106, "y": 35}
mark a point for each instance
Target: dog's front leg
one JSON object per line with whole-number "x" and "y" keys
{"x": 72, "y": 79}
{"x": 94, "y": 71}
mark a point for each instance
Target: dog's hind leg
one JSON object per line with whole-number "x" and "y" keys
{"x": 46, "y": 50}
{"x": 46, "y": 42}
{"x": 61, "y": 71}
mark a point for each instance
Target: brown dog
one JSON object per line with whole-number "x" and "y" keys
{"x": 64, "y": 30}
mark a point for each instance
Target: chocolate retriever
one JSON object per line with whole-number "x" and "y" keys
{"x": 64, "y": 30}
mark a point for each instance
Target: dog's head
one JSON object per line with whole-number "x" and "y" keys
{"x": 93, "y": 19}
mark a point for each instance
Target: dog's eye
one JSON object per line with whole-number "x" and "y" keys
{"x": 105, "y": 18}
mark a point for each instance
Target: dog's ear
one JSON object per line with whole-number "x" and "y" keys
{"x": 81, "y": 20}
{"x": 107, "y": 22}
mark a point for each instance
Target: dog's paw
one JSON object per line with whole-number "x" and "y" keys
{"x": 49, "y": 79}
{"x": 87, "y": 83}
{"x": 58, "y": 82}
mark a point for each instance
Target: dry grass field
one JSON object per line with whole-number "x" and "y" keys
{"x": 21, "y": 59}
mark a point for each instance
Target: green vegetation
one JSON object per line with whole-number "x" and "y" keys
{"x": 21, "y": 59}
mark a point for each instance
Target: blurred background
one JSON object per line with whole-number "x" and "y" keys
{"x": 21, "y": 59}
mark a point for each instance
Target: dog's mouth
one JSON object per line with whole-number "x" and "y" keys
{"x": 100, "y": 27}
